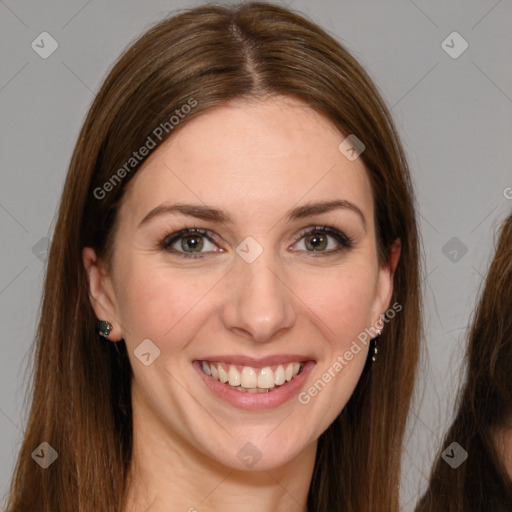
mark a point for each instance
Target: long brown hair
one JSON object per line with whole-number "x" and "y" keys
{"x": 481, "y": 483}
{"x": 81, "y": 391}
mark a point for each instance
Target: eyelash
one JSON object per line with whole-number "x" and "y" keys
{"x": 345, "y": 242}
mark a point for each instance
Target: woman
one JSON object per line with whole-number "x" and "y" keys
{"x": 236, "y": 226}
{"x": 482, "y": 427}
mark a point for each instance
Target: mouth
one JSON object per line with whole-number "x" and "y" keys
{"x": 254, "y": 384}
{"x": 249, "y": 379}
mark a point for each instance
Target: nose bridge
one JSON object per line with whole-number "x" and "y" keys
{"x": 259, "y": 303}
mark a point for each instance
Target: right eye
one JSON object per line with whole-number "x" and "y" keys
{"x": 189, "y": 242}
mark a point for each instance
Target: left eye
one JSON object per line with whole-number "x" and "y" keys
{"x": 316, "y": 239}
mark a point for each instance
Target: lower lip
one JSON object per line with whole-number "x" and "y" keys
{"x": 256, "y": 401}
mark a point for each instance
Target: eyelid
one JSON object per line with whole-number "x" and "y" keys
{"x": 343, "y": 239}
{"x": 168, "y": 240}
{"x": 171, "y": 237}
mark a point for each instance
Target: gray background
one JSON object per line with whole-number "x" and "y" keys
{"x": 454, "y": 116}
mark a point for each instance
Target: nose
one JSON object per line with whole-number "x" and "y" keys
{"x": 259, "y": 302}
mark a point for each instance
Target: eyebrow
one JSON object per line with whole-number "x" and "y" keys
{"x": 222, "y": 217}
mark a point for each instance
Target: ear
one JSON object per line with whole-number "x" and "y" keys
{"x": 385, "y": 282}
{"x": 101, "y": 292}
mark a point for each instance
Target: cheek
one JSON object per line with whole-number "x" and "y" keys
{"x": 154, "y": 300}
{"x": 342, "y": 300}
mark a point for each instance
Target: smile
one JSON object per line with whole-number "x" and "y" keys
{"x": 247, "y": 379}
{"x": 254, "y": 384}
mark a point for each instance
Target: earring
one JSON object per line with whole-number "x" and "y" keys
{"x": 374, "y": 356}
{"x": 104, "y": 328}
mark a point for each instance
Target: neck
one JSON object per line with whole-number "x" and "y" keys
{"x": 168, "y": 473}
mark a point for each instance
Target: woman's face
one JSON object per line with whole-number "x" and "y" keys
{"x": 253, "y": 298}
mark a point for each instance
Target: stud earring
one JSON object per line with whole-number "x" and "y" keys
{"x": 104, "y": 328}
{"x": 374, "y": 356}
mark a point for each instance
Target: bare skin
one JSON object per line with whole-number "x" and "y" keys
{"x": 256, "y": 161}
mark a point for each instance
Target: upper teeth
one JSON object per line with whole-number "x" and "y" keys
{"x": 252, "y": 378}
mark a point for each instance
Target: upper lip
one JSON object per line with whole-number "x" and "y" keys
{"x": 257, "y": 362}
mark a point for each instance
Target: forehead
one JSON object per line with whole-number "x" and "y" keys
{"x": 267, "y": 154}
